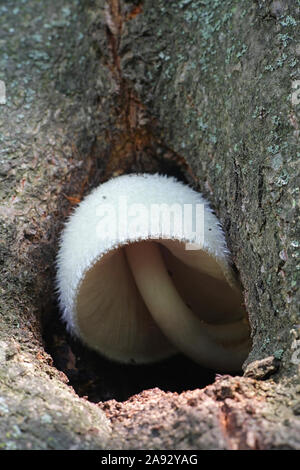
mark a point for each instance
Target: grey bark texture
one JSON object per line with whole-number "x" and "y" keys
{"x": 95, "y": 89}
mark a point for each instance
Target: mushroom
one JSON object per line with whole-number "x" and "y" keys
{"x": 144, "y": 273}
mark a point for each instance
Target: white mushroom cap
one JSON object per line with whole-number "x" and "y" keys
{"x": 130, "y": 288}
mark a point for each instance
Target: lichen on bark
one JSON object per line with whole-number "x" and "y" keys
{"x": 219, "y": 77}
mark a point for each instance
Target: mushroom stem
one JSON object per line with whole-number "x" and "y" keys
{"x": 222, "y": 347}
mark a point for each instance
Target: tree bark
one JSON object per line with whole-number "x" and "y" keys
{"x": 98, "y": 88}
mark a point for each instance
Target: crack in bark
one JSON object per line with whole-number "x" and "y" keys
{"x": 135, "y": 132}
{"x": 234, "y": 425}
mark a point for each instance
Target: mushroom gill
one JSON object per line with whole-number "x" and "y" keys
{"x": 139, "y": 294}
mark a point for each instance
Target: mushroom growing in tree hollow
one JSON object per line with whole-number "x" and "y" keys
{"x": 130, "y": 288}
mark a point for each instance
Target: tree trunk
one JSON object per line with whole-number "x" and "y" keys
{"x": 205, "y": 90}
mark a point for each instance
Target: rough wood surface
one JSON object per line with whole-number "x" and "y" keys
{"x": 99, "y": 88}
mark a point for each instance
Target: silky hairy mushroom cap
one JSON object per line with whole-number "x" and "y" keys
{"x": 144, "y": 272}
